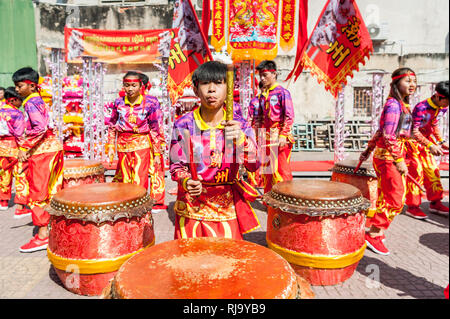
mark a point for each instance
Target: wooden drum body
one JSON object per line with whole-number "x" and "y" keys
{"x": 318, "y": 226}
{"x": 81, "y": 171}
{"x": 94, "y": 229}
{"x": 365, "y": 179}
{"x": 205, "y": 268}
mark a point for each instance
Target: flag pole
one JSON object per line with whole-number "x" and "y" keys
{"x": 205, "y": 40}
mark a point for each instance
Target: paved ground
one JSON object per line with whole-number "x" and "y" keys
{"x": 417, "y": 268}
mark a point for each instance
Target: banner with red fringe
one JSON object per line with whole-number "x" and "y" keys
{"x": 188, "y": 50}
{"x": 339, "y": 42}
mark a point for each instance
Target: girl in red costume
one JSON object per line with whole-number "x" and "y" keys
{"x": 135, "y": 121}
{"x": 389, "y": 157}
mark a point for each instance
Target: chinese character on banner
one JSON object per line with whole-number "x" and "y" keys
{"x": 252, "y": 29}
{"x": 287, "y": 32}
{"x": 218, "y": 25}
{"x": 339, "y": 42}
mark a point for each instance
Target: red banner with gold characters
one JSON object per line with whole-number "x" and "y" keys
{"x": 252, "y": 29}
{"x": 339, "y": 43}
{"x": 218, "y": 25}
{"x": 182, "y": 63}
{"x": 188, "y": 49}
{"x": 287, "y": 32}
{"x": 113, "y": 46}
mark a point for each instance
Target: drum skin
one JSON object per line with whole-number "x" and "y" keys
{"x": 324, "y": 248}
{"x": 87, "y": 251}
{"x": 205, "y": 268}
{"x": 364, "y": 179}
{"x": 81, "y": 171}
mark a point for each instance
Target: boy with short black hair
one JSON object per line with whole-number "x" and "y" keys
{"x": 206, "y": 152}
{"x": 278, "y": 118}
{"x": 44, "y": 152}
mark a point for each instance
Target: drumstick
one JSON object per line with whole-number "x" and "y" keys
{"x": 230, "y": 89}
{"x": 191, "y": 160}
{"x": 416, "y": 182}
{"x": 14, "y": 162}
{"x": 358, "y": 166}
{"x": 190, "y": 153}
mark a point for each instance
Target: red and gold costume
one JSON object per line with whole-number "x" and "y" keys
{"x": 392, "y": 146}
{"x": 421, "y": 164}
{"x": 46, "y": 161}
{"x": 223, "y": 209}
{"x": 12, "y": 127}
{"x": 278, "y": 118}
{"x": 138, "y": 139}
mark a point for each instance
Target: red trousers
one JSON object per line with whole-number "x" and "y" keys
{"x": 157, "y": 178}
{"x": 45, "y": 177}
{"x": 6, "y": 178}
{"x": 18, "y": 171}
{"x": 423, "y": 168}
{"x": 132, "y": 167}
{"x": 275, "y": 165}
{"x": 391, "y": 193}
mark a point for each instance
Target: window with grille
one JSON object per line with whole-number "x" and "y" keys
{"x": 362, "y": 101}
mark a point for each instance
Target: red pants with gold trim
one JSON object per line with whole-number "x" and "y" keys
{"x": 6, "y": 178}
{"x": 21, "y": 183}
{"x": 275, "y": 166}
{"x": 191, "y": 228}
{"x": 157, "y": 178}
{"x": 45, "y": 177}
{"x": 132, "y": 167}
{"x": 391, "y": 193}
{"x": 423, "y": 168}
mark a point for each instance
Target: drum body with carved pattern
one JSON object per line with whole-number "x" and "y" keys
{"x": 81, "y": 171}
{"x": 94, "y": 229}
{"x": 364, "y": 178}
{"x": 318, "y": 226}
{"x": 207, "y": 268}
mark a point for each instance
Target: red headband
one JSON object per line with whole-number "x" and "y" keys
{"x": 132, "y": 80}
{"x": 402, "y": 76}
{"x": 440, "y": 95}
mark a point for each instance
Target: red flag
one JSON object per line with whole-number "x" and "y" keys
{"x": 189, "y": 48}
{"x": 339, "y": 42}
{"x": 302, "y": 37}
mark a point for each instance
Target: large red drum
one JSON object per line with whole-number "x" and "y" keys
{"x": 78, "y": 171}
{"x": 94, "y": 229}
{"x": 318, "y": 226}
{"x": 205, "y": 268}
{"x": 364, "y": 178}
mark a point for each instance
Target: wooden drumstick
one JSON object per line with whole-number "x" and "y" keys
{"x": 14, "y": 162}
{"x": 230, "y": 92}
{"x": 416, "y": 182}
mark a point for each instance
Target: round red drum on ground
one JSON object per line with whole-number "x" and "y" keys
{"x": 94, "y": 229}
{"x": 205, "y": 268}
{"x": 78, "y": 171}
{"x": 318, "y": 226}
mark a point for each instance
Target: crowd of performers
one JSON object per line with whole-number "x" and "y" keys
{"x": 212, "y": 151}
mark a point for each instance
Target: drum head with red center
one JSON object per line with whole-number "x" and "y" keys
{"x": 205, "y": 268}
